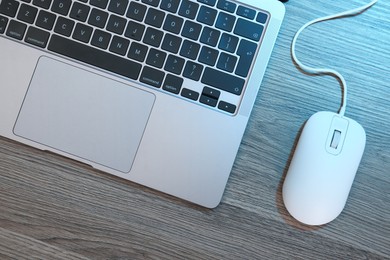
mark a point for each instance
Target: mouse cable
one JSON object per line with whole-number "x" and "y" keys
{"x": 322, "y": 71}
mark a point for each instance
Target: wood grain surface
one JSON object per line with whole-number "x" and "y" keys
{"x": 54, "y": 208}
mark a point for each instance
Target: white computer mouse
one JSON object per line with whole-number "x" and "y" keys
{"x": 323, "y": 168}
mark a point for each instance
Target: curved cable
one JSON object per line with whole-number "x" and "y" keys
{"x": 317, "y": 71}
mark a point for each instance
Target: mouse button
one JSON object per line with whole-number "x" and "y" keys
{"x": 336, "y": 135}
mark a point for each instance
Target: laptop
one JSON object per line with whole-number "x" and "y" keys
{"x": 157, "y": 92}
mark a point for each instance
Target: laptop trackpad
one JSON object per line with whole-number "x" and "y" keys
{"x": 84, "y": 114}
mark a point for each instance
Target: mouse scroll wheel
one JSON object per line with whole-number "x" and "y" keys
{"x": 335, "y": 139}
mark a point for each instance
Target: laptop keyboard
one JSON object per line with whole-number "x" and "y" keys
{"x": 201, "y": 50}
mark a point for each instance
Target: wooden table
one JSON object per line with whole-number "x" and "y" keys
{"x": 55, "y": 208}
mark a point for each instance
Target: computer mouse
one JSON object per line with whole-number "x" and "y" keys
{"x": 323, "y": 168}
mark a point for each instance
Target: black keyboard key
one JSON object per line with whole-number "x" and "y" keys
{"x": 37, "y": 37}
{"x": 153, "y": 37}
{"x": 64, "y": 26}
{"x": 156, "y": 58}
{"x": 45, "y": 20}
{"x": 82, "y": 32}
{"x": 116, "y": 24}
{"x": 188, "y": 9}
{"x": 174, "y": 64}
{"x": 190, "y": 94}
{"x": 208, "y": 100}
{"x": 208, "y": 56}
{"x": 262, "y": 17}
{"x": 207, "y": 15}
{"x": 16, "y": 29}
{"x": 99, "y": 3}
{"x": 79, "y": 11}
{"x": 191, "y": 30}
{"x": 190, "y": 49}
{"x": 118, "y": 6}
{"x": 210, "y": 36}
{"x": 228, "y": 43}
{"x": 227, "y": 6}
{"x": 151, "y": 2}
{"x": 134, "y": 31}
{"x": 213, "y": 93}
{"x": 225, "y": 22}
{"x": 27, "y": 13}
{"x": 101, "y": 39}
{"x": 193, "y": 70}
{"x": 98, "y": 18}
{"x": 246, "y": 12}
{"x": 170, "y": 5}
{"x": 173, "y": 84}
{"x": 173, "y": 23}
{"x": 9, "y": 7}
{"x": 3, "y": 23}
{"x": 223, "y": 81}
{"x": 42, "y": 3}
{"x": 171, "y": 43}
{"x": 136, "y": 11}
{"x": 152, "y": 77}
{"x": 137, "y": 51}
{"x": 61, "y": 6}
{"x": 248, "y": 29}
{"x": 246, "y": 51}
{"x": 154, "y": 17}
{"x": 94, "y": 57}
{"x": 119, "y": 45}
{"x": 208, "y": 2}
{"x": 227, "y": 62}
{"x": 227, "y": 107}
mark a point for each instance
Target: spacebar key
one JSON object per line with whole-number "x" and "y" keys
{"x": 94, "y": 57}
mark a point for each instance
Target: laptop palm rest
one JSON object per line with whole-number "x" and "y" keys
{"x": 84, "y": 114}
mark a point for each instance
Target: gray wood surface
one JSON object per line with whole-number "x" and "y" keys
{"x": 54, "y": 208}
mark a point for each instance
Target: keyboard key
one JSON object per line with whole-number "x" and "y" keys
{"x": 3, "y": 23}
{"x": 193, "y": 70}
{"x": 136, "y": 11}
{"x": 228, "y": 43}
{"x": 154, "y": 17}
{"x": 246, "y": 12}
{"x": 94, "y": 57}
{"x": 173, "y": 84}
{"x": 190, "y": 49}
{"x": 16, "y": 29}
{"x": 246, "y": 51}
{"x": 119, "y": 45}
{"x": 98, "y": 18}
{"x": 211, "y": 92}
{"x": 188, "y": 9}
{"x": 170, "y": 5}
{"x": 42, "y": 3}
{"x": 225, "y": 22}
{"x": 190, "y": 94}
{"x": 227, "y": 107}
{"x": 171, "y": 43}
{"x": 27, "y": 13}
{"x": 152, "y": 77}
{"x": 208, "y": 100}
{"x": 118, "y": 6}
{"x": 79, "y": 12}
{"x": 151, "y": 2}
{"x": 156, "y": 58}
{"x": 208, "y": 2}
{"x": 61, "y": 6}
{"x": 248, "y": 29}
{"x": 173, "y": 23}
{"x": 99, "y": 3}
{"x": 223, "y": 81}
{"x": 191, "y": 30}
{"x": 210, "y": 36}
{"x": 82, "y": 32}
{"x": 137, "y": 51}
{"x": 45, "y": 20}
{"x": 207, "y": 15}
{"x": 262, "y": 17}
{"x": 174, "y": 64}
{"x": 208, "y": 56}
{"x": 37, "y": 37}
{"x": 134, "y": 31}
{"x": 64, "y": 26}
{"x": 9, "y": 7}
{"x": 226, "y": 62}
{"x": 116, "y": 24}
{"x": 153, "y": 37}
{"x": 101, "y": 39}
{"x": 227, "y": 6}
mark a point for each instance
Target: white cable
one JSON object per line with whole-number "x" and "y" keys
{"x": 332, "y": 72}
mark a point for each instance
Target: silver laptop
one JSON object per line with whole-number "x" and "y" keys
{"x": 157, "y": 92}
